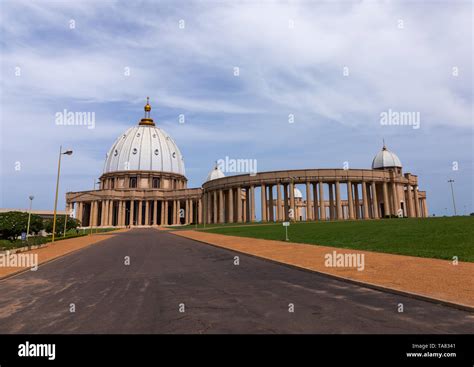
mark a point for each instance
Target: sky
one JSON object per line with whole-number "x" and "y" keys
{"x": 335, "y": 67}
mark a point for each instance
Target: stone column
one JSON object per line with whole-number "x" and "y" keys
{"x": 292, "y": 201}
{"x": 238, "y": 203}
{"x": 350, "y": 202}
{"x": 286, "y": 202}
{"x": 396, "y": 202}
{"x": 200, "y": 210}
{"x": 173, "y": 211}
{"x": 331, "y": 201}
{"x": 365, "y": 206}
{"x": 263, "y": 204}
{"x": 155, "y": 213}
{"x": 79, "y": 211}
{"x": 119, "y": 203}
{"x": 386, "y": 204}
{"x": 192, "y": 208}
{"x": 271, "y": 215}
{"x": 221, "y": 207}
{"x": 409, "y": 201}
{"x": 308, "y": 201}
{"x": 165, "y": 212}
{"x": 322, "y": 206}
{"x": 119, "y": 212}
{"x": 187, "y": 218}
{"x": 147, "y": 212}
{"x": 140, "y": 212}
{"x": 247, "y": 204}
{"x": 417, "y": 202}
{"x": 357, "y": 201}
{"x": 96, "y": 211}
{"x": 214, "y": 207}
{"x": 375, "y": 206}
{"x": 425, "y": 208}
{"x": 177, "y": 211}
{"x": 315, "y": 201}
{"x": 124, "y": 211}
{"x": 252, "y": 203}
{"x": 278, "y": 203}
{"x": 111, "y": 212}
{"x": 103, "y": 213}
{"x": 132, "y": 212}
{"x": 338, "y": 202}
{"x": 231, "y": 205}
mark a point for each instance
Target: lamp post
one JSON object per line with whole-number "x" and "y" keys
{"x": 452, "y": 194}
{"x": 67, "y": 152}
{"x": 65, "y": 222}
{"x": 31, "y": 197}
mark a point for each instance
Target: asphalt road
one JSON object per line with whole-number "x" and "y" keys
{"x": 167, "y": 273}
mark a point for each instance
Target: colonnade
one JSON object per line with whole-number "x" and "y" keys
{"x": 328, "y": 194}
{"x": 121, "y": 213}
{"x": 364, "y": 200}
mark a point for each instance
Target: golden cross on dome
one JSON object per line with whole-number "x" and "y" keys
{"x": 147, "y": 120}
{"x": 147, "y": 106}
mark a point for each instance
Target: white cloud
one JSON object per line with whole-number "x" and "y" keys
{"x": 282, "y": 70}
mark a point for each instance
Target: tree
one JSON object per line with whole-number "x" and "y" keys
{"x": 36, "y": 224}
{"x": 12, "y": 224}
{"x": 71, "y": 223}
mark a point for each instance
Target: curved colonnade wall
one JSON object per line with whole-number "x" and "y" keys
{"x": 329, "y": 194}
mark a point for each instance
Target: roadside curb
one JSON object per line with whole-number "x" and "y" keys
{"x": 418, "y": 296}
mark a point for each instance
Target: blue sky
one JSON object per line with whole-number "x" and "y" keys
{"x": 291, "y": 58}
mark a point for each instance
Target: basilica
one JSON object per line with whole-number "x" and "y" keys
{"x": 144, "y": 184}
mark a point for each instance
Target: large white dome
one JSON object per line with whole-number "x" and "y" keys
{"x": 145, "y": 148}
{"x": 386, "y": 159}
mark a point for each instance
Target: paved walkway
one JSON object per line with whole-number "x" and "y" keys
{"x": 59, "y": 249}
{"x": 432, "y": 278}
{"x": 177, "y": 285}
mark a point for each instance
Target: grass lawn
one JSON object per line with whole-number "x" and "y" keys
{"x": 441, "y": 238}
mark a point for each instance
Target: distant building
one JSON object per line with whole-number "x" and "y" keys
{"x": 47, "y": 214}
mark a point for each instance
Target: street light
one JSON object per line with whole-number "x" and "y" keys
{"x": 452, "y": 194}
{"x": 65, "y": 222}
{"x": 67, "y": 152}
{"x": 31, "y": 197}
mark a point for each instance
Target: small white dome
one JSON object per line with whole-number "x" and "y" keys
{"x": 144, "y": 148}
{"x": 215, "y": 173}
{"x": 297, "y": 193}
{"x": 386, "y": 159}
